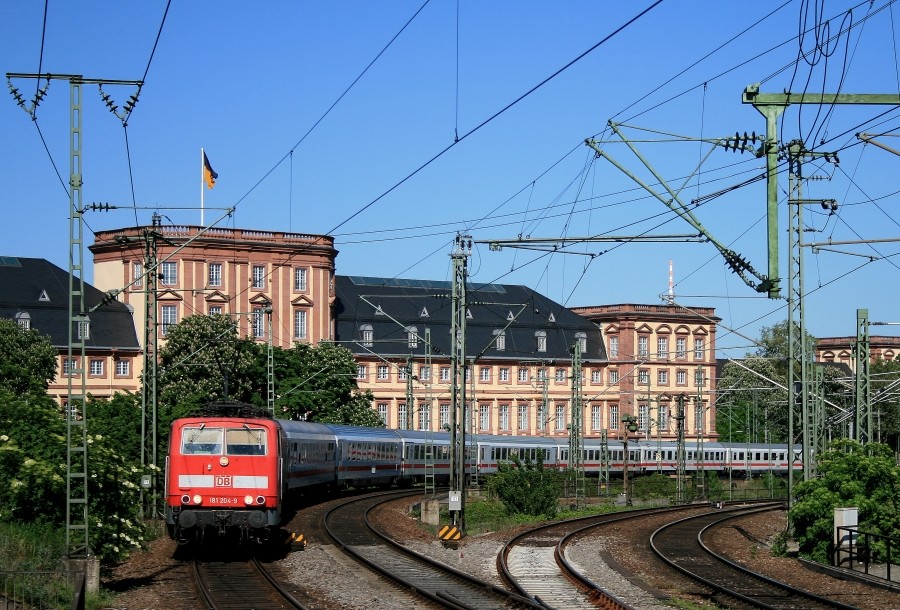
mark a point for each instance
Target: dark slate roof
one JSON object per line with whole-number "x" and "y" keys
{"x": 41, "y": 289}
{"x": 427, "y": 304}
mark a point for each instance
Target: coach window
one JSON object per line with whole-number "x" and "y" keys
{"x": 201, "y": 441}
{"x": 245, "y": 441}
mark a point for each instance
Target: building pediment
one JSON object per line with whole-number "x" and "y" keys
{"x": 168, "y": 295}
{"x": 663, "y": 329}
{"x": 644, "y": 328}
{"x": 217, "y": 296}
{"x": 699, "y": 330}
{"x": 302, "y": 301}
{"x": 260, "y": 299}
{"x": 682, "y": 329}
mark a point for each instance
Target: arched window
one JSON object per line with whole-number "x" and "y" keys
{"x": 581, "y": 338}
{"x": 412, "y": 336}
{"x": 366, "y": 334}
{"x": 541, "y": 336}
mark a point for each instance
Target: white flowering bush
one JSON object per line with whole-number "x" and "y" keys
{"x": 114, "y": 496}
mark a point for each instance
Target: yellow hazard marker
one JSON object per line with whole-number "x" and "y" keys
{"x": 297, "y": 542}
{"x": 450, "y": 532}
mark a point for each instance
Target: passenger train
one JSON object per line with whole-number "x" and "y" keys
{"x": 232, "y": 472}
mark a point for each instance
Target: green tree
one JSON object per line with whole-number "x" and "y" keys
{"x": 203, "y": 360}
{"x": 27, "y": 359}
{"x": 751, "y": 405}
{"x": 849, "y": 474}
{"x": 774, "y": 341}
{"x": 526, "y": 487}
{"x": 118, "y": 420}
{"x": 885, "y": 390}
{"x": 318, "y": 383}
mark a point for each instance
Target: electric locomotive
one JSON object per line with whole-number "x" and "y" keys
{"x": 223, "y": 473}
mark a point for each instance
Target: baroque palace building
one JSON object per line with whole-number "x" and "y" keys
{"x": 660, "y": 356}
{"x": 635, "y": 359}
{"x": 843, "y": 350}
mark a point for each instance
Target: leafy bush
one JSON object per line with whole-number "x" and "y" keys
{"x": 849, "y": 474}
{"x": 526, "y": 487}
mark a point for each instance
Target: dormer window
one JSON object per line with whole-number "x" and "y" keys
{"x": 367, "y": 334}
{"x": 581, "y": 339}
{"x": 500, "y": 341}
{"x": 412, "y": 336}
{"x": 541, "y": 336}
{"x": 23, "y": 320}
{"x": 84, "y": 328}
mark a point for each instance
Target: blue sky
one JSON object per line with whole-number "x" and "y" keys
{"x": 472, "y": 119}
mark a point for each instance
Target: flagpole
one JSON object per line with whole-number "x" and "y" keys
{"x": 201, "y": 187}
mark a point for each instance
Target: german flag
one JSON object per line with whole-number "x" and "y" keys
{"x": 208, "y": 174}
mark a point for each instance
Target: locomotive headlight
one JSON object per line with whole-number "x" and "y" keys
{"x": 198, "y": 499}
{"x": 223, "y": 461}
{"x": 260, "y": 500}
{"x": 185, "y": 499}
{"x": 248, "y": 500}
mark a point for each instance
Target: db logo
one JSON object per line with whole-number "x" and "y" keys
{"x": 223, "y": 481}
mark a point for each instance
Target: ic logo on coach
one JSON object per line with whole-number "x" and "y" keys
{"x": 223, "y": 481}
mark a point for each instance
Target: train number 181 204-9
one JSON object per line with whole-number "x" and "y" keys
{"x": 223, "y": 500}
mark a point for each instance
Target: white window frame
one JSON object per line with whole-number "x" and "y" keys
{"x": 168, "y": 273}
{"x": 301, "y": 279}
{"x": 484, "y": 374}
{"x": 523, "y": 374}
{"x": 214, "y": 274}
{"x": 215, "y": 310}
{"x": 699, "y": 349}
{"x": 504, "y": 418}
{"x": 484, "y": 417}
{"x": 361, "y": 371}
{"x": 560, "y": 417}
{"x": 614, "y": 422}
{"x": 541, "y": 337}
{"x": 503, "y": 375}
{"x": 366, "y": 335}
{"x": 402, "y": 422}
{"x": 444, "y": 414}
{"x": 137, "y": 269}
{"x": 613, "y": 376}
{"x": 383, "y": 412}
{"x": 596, "y": 376}
{"x": 445, "y": 373}
{"x": 522, "y": 417}
{"x": 258, "y": 323}
{"x": 424, "y": 372}
{"x": 96, "y": 367}
{"x": 681, "y": 347}
{"x": 412, "y": 336}
{"x": 301, "y": 326}
{"x": 643, "y": 346}
{"x": 258, "y": 279}
{"x": 168, "y": 316}
{"x": 382, "y": 372}
{"x": 662, "y": 347}
{"x": 500, "y": 342}
{"x": 596, "y": 417}
{"x": 613, "y": 347}
{"x": 123, "y": 367}
{"x": 662, "y": 377}
{"x": 560, "y": 375}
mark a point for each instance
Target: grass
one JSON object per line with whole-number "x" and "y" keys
{"x": 40, "y": 548}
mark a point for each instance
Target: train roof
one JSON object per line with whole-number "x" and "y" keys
{"x": 292, "y": 427}
{"x": 363, "y": 432}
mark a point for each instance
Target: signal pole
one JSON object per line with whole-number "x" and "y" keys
{"x": 78, "y": 547}
{"x": 461, "y": 252}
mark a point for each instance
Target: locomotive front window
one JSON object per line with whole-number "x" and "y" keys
{"x": 245, "y": 441}
{"x": 201, "y": 441}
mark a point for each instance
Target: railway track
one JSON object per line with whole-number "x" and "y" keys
{"x": 534, "y": 564}
{"x": 680, "y": 545}
{"x": 240, "y": 584}
{"x": 349, "y": 528}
